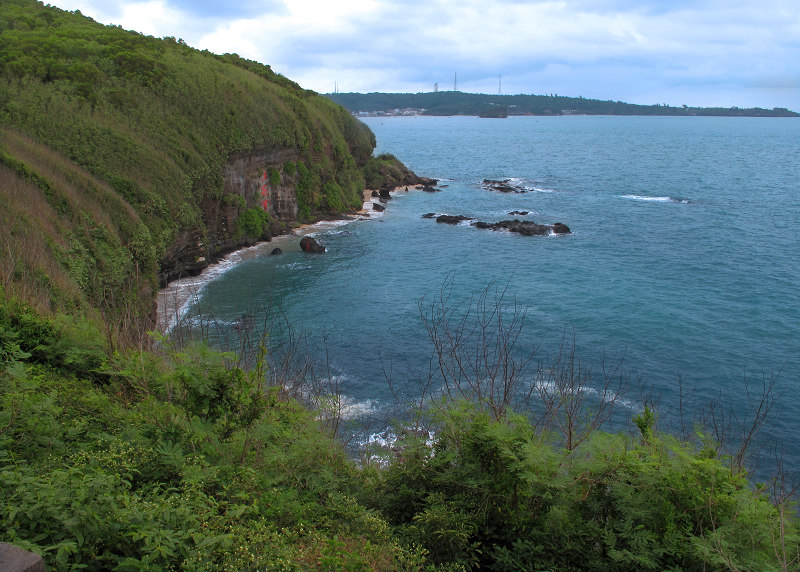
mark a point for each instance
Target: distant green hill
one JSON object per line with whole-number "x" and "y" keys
{"x": 127, "y": 160}
{"x": 458, "y": 103}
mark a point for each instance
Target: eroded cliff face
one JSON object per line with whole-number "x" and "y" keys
{"x": 247, "y": 185}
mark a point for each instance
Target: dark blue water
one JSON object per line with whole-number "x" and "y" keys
{"x": 683, "y": 256}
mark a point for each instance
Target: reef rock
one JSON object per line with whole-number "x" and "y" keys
{"x": 309, "y": 244}
{"x": 452, "y": 219}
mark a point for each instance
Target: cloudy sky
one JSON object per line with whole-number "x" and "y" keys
{"x": 742, "y": 53}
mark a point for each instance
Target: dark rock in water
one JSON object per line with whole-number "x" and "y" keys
{"x": 385, "y": 194}
{"x": 452, "y": 219}
{"x": 276, "y": 251}
{"x": 378, "y": 207}
{"x": 309, "y": 244}
{"x": 525, "y": 228}
{"x": 430, "y": 189}
{"x": 504, "y": 186}
{"x": 244, "y": 323}
{"x": 519, "y": 213}
{"x": 375, "y": 194}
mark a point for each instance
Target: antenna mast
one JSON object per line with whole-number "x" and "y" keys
{"x": 500, "y": 84}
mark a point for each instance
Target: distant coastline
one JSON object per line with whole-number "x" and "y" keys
{"x": 444, "y": 103}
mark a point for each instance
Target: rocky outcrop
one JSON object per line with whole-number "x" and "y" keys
{"x": 525, "y": 228}
{"x": 452, "y": 219}
{"x": 246, "y": 185}
{"x": 309, "y": 244}
{"x": 249, "y": 182}
{"x": 503, "y": 186}
{"x": 244, "y": 175}
{"x": 15, "y": 559}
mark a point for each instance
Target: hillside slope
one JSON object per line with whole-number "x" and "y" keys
{"x": 127, "y": 161}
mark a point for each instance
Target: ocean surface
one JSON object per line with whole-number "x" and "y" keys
{"x": 683, "y": 261}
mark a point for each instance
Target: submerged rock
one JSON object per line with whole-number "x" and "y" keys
{"x": 378, "y": 207}
{"x": 309, "y": 244}
{"x": 244, "y": 323}
{"x": 276, "y": 251}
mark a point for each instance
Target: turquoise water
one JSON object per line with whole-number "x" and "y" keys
{"x": 683, "y": 256}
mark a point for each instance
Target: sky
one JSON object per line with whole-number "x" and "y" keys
{"x": 703, "y": 53}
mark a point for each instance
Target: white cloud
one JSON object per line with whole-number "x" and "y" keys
{"x": 698, "y": 52}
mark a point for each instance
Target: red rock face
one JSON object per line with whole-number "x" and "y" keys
{"x": 244, "y": 187}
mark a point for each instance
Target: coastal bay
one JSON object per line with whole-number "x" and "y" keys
{"x": 665, "y": 263}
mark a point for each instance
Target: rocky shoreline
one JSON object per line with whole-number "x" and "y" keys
{"x": 174, "y": 295}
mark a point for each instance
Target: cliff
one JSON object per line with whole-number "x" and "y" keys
{"x": 127, "y": 161}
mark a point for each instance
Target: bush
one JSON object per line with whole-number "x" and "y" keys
{"x": 492, "y": 494}
{"x": 253, "y": 223}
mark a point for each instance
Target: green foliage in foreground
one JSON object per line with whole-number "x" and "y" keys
{"x": 181, "y": 460}
{"x": 495, "y": 495}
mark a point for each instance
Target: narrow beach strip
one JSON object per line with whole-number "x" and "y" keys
{"x": 179, "y": 295}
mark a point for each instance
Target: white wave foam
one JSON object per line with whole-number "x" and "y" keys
{"x": 388, "y": 437}
{"x": 646, "y": 198}
{"x": 655, "y": 199}
{"x": 549, "y": 387}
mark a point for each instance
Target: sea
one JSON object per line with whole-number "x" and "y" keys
{"x": 681, "y": 272}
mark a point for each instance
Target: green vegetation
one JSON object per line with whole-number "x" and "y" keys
{"x": 112, "y": 148}
{"x": 114, "y": 456}
{"x": 181, "y": 459}
{"x": 458, "y": 103}
{"x": 253, "y": 223}
{"x": 386, "y": 170}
